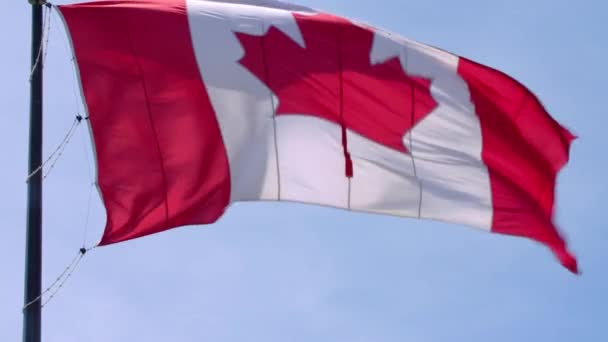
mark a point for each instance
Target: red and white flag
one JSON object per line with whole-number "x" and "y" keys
{"x": 197, "y": 104}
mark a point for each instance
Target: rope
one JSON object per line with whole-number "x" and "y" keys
{"x": 49, "y": 13}
{"x": 58, "y": 150}
{"x": 61, "y": 279}
{"x": 46, "y": 28}
{"x": 81, "y": 252}
{"x": 65, "y": 144}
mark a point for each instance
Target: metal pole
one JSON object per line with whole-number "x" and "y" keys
{"x": 33, "y": 239}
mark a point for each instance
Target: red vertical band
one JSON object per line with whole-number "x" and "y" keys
{"x": 524, "y": 148}
{"x": 160, "y": 157}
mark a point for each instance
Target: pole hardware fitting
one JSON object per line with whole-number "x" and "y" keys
{"x": 39, "y": 2}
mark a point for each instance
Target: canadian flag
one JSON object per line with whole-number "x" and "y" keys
{"x": 197, "y": 104}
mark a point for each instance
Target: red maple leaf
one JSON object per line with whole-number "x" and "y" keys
{"x": 332, "y": 78}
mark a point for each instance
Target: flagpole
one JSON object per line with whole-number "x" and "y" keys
{"x": 33, "y": 240}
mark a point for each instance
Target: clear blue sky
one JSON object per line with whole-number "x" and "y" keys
{"x": 284, "y": 272}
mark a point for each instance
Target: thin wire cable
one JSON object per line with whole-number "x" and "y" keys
{"x": 77, "y": 99}
{"x": 64, "y": 142}
{"x": 411, "y": 141}
{"x": 273, "y": 109}
{"x": 348, "y": 162}
{"x": 86, "y": 152}
{"x": 72, "y": 59}
{"x": 57, "y": 280}
{"x": 86, "y": 217}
